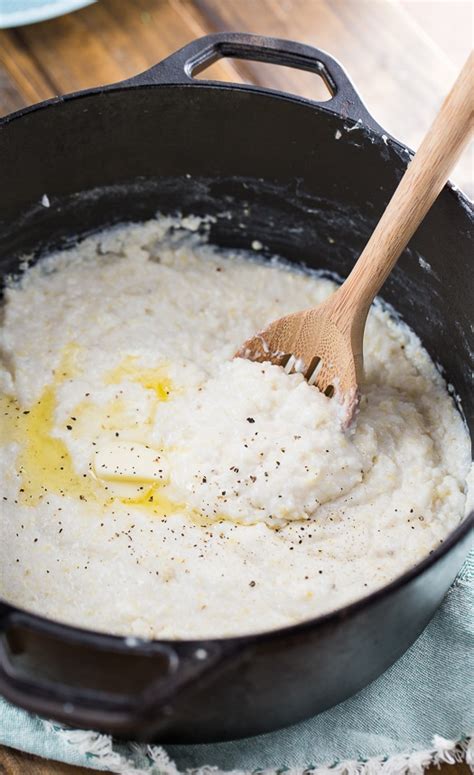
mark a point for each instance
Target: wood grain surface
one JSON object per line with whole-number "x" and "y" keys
{"x": 401, "y": 54}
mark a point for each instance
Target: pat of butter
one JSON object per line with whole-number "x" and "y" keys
{"x": 128, "y": 492}
{"x": 129, "y": 462}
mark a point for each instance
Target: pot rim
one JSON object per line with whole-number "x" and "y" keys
{"x": 368, "y": 125}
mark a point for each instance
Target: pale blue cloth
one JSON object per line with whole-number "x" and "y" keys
{"x": 429, "y": 691}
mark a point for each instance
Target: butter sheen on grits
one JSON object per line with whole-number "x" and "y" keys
{"x": 152, "y": 486}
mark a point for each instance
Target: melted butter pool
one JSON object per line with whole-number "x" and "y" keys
{"x": 44, "y": 462}
{"x": 154, "y": 379}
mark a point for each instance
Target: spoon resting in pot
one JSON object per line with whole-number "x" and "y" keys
{"x": 325, "y": 342}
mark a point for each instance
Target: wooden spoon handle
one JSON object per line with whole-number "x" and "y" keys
{"x": 420, "y": 185}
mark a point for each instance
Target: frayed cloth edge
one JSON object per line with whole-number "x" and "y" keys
{"x": 100, "y": 754}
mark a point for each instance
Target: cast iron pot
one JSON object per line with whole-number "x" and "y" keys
{"x": 308, "y": 180}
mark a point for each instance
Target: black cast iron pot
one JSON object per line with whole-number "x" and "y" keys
{"x": 309, "y": 181}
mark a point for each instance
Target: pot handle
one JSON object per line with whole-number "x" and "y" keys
{"x": 180, "y": 67}
{"x": 77, "y": 669}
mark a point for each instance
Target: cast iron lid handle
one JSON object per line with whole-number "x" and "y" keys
{"x": 180, "y": 67}
{"x": 81, "y": 672}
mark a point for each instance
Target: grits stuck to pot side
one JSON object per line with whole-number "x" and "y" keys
{"x": 261, "y": 173}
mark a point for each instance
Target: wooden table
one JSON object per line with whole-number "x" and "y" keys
{"x": 402, "y": 55}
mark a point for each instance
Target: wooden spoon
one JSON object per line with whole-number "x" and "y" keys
{"x": 325, "y": 342}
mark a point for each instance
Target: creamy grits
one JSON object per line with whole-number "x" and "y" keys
{"x": 152, "y": 486}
